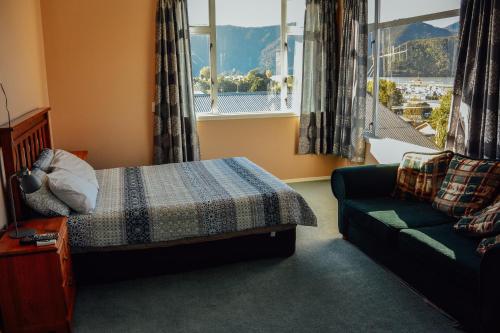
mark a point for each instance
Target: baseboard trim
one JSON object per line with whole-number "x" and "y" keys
{"x": 308, "y": 179}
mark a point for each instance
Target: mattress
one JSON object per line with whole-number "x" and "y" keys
{"x": 149, "y": 204}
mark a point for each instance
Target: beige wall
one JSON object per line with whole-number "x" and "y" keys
{"x": 269, "y": 142}
{"x": 100, "y": 65}
{"x": 22, "y": 62}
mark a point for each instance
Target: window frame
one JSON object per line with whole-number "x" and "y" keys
{"x": 210, "y": 31}
{"x": 376, "y": 27}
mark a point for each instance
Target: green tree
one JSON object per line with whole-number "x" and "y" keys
{"x": 388, "y": 94}
{"x": 258, "y": 84}
{"x": 205, "y": 73}
{"x": 439, "y": 119}
{"x": 226, "y": 84}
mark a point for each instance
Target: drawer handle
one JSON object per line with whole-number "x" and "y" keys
{"x": 65, "y": 258}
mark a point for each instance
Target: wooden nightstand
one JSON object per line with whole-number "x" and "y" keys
{"x": 37, "y": 291}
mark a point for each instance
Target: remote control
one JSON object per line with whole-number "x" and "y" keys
{"x": 46, "y": 242}
{"x": 46, "y": 237}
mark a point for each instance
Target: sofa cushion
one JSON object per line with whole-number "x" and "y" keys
{"x": 383, "y": 217}
{"x": 420, "y": 175}
{"x": 444, "y": 251}
{"x": 469, "y": 186}
{"x": 488, "y": 243}
{"x": 484, "y": 223}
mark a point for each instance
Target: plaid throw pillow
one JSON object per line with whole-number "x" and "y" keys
{"x": 469, "y": 186}
{"x": 488, "y": 243}
{"x": 483, "y": 223}
{"x": 420, "y": 175}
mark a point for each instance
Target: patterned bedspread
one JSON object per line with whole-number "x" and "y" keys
{"x": 140, "y": 205}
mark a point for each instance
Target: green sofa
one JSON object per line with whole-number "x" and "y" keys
{"x": 418, "y": 243}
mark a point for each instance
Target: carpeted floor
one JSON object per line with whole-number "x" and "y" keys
{"x": 327, "y": 286}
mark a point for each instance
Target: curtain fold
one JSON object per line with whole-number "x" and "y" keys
{"x": 175, "y": 134}
{"x": 351, "y": 95}
{"x": 334, "y": 83}
{"x": 474, "y": 118}
{"x": 319, "y": 80}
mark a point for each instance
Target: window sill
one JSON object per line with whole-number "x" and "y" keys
{"x": 386, "y": 150}
{"x": 244, "y": 115}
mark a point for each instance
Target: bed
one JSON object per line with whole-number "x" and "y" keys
{"x": 144, "y": 206}
{"x": 174, "y": 205}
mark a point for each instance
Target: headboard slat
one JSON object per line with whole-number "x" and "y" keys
{"x": 24, "y": 139}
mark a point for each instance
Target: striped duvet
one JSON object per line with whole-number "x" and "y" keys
{"x": 141, "y": 205}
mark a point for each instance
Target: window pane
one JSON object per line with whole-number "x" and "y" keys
{"x": 369, "y": 76}
{"x": 248, "y": 55}
{"x": 295, "y": 13}
{"x": 198, "y": 12}
{"x": 371, "y": 11}
{"x": 417, "y": 63}
{"x": 294, "y": 78}
{"x": 200, "y": 59}
{"x": 398, "y": 9}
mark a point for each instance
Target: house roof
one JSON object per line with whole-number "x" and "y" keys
{"x": 231, "y": 103}
{"x": 390, "y": 125}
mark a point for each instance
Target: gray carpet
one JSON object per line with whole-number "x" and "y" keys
{"x": 327, "y": 286}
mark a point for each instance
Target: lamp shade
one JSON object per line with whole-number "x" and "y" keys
{"x": 30, "y": 183}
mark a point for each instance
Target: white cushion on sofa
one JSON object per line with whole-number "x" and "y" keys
{"x": 64, "y": 160}
{"x": 76, "y": 192}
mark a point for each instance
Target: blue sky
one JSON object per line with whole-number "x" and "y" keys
{"x": 254, "y": 13}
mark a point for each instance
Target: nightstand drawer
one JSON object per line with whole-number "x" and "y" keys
{"x": 36, "y": 283}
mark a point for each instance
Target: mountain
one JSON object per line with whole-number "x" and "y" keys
{"x": 454, "y": 27}
{"x": 420, "y": 30}
{"x": 240, "y": 49}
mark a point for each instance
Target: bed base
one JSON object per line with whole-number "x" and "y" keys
{"x": 110, "y": 266}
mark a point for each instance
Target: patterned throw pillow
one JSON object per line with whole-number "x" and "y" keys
{"x": 483, "y": 223}
{"x": 487, "y": 243}
{"x": 469, "y": 186}
{"x": 44, "y": 160}
{"x": 420, "y": 175}
{"x": 43, "y": 201}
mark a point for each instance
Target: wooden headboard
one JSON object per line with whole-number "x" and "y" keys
{"x": 21, "y": 144}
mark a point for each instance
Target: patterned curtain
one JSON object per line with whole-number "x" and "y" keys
{"x": 334, "y": 85}
{"x": 319, "y": 80}
{"x": 474, "y": 120}
{"x": 351, "y": 95}
{"x": 175, "y": 135}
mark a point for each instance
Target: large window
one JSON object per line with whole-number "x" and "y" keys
{"x": 412, "y": 54}
{"x": 246, "y": 55}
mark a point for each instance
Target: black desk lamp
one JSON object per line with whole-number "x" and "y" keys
{"x": 28, "y": 183}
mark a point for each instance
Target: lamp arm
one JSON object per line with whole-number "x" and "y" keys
{"x": 12, "y": 205}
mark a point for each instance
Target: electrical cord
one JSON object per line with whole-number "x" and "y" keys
{"x": 6, "y": 102}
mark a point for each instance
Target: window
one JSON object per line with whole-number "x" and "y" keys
{"x": 246, "y": 55}
{"x": 412, "y": 54}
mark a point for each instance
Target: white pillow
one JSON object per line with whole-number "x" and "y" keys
{"x": 74, "y": 191}
{"x": 64, "y": 160}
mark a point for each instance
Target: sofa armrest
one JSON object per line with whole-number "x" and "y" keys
{"x": 364, "y": 181}
{"x": 490, "y": 290}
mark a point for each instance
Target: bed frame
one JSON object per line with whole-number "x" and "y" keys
{"x": 21, "y": 144}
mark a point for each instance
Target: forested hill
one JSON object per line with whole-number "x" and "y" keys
{"x": 241, "y": 49}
